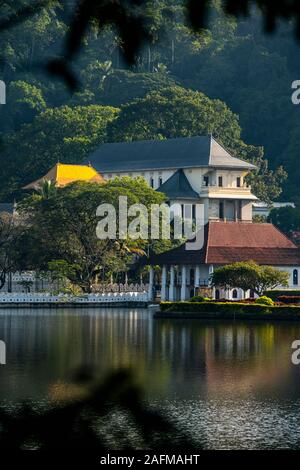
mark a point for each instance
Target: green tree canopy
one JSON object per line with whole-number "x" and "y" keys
{"x": 249, "y": 275}
{"x": 287, "y": 219}
{"x": 178, "y": 112}
{"x": 63, "y": 228}
{"x": 25, "y": 102}
{"x": 62, "y": 134}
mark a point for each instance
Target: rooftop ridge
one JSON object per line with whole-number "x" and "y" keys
{"x": 173, "y": 153}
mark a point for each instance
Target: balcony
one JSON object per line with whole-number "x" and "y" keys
{"x": 221, "y": 192}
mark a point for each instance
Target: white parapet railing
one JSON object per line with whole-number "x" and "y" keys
{"x": 114, "y": 297}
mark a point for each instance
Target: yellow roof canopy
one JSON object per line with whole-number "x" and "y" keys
{"x": 62, "y": 174}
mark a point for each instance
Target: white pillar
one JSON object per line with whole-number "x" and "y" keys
{"x": 210, "y": 271}
{"x": 183, "y": 283}
{"x": 188, "y": 275}
{"x": 197, "y": 276}
{"x": 164, "y": 283}
{"x": 150, "y": 286}
{"x": 172, "y": 284}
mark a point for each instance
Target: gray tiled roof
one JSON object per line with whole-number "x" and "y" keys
{"x": 182, "y": 152}
{"x": 178, "y": 186}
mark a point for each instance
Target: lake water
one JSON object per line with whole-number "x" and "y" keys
{"x": 230, "y": 385}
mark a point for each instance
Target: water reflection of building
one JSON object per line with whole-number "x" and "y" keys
{"x": 182, "y": 358}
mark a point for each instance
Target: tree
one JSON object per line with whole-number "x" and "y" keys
{"x": 47, "y": 189}
{"x": 270, "y": 278}
{"x": 175, "y": 112}
{"x": 231, "y": 60}
{"x": 10, "y": 233}
{"x": 249, "y": 276}
{"x": 178, "y": 112}
{"x": 63, "y": 228}
{"x": 259, "y": 219}
{"x": 59, "y": 272}
{"x": 25, "y": 102}
{"x": 62, "y": 134}
{"x": 128, "y": 84}
{"x": 287, "y": 219}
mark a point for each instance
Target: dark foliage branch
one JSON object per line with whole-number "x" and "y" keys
{"x": 76, "y": 424}
{"x": 134, "y": 28}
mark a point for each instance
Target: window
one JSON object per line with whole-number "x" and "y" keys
{"x": 238, "y": 182}
{"x": 221, "y": 210}
{"x": 252, "y": 294}
{"x": 205, "y": 180}
{"x": 295, "y": 277}
{"x": 234, "y": 294}
{"x": 152, "y": 182}
{"x": 160, "y": 181}
{"x": 220, "y": 181}
{"x": 217, "y": 294}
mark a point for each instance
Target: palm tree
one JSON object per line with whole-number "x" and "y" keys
{"x": 47, "y": 189}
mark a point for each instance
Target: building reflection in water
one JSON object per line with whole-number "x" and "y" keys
{"x": 171, "y": 358}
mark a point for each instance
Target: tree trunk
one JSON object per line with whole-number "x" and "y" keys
{"x": 173, "y": 51}
{"x": 149, "y": 58}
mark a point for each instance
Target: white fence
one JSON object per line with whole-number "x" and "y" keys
{"x": 87, "y": 298}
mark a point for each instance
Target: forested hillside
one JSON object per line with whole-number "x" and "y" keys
{"x": 230, "y": 80}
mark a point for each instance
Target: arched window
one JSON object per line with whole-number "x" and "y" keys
{"x": 234, "y": 294}
{"x": 217, "y": 294}
{"x": 295, "y": 277}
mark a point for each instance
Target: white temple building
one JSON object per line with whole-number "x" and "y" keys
{"x": 198, "y": 170}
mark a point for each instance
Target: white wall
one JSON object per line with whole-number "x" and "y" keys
{"x": 290, "y": 270}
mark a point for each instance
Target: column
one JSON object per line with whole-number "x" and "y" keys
{"x": 183, "y": 283}
{"x": 164, "y": 283}
{"x": 210, "y": 271}
{"x": 188, "y": 275}
{"x": 150, "y": 286}
{"x": 197, "y": 276}
{"x": 172, "y": 284}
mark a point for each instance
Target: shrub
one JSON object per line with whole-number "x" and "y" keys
{"x": 289, "y": 299}
{"x": 264, "y": 300}
{"x": 199, "y": 298}
{"x": 274, "y": 294}
{"x": 227, "y": 310}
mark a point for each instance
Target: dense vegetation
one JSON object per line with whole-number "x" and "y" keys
{"x": 249, "y": 275}
{"x": 228, "y": 310}
{"x": 61, "y": 234}
{"x": 183, "y": 83}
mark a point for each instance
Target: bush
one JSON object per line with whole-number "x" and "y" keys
{"x": 289, "y": 299}
{"x": 274, "y": 294}
{"x": 264, "y": 300}
{"x": 199, "y": 298}
{"x": 227, "y": 310}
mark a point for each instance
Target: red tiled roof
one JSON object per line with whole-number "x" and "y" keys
{"x": 248, "y": 235}
{"x": 228, "y": 242}
{"x": 268, "y": 256}
{"x": 263, "y": 243}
